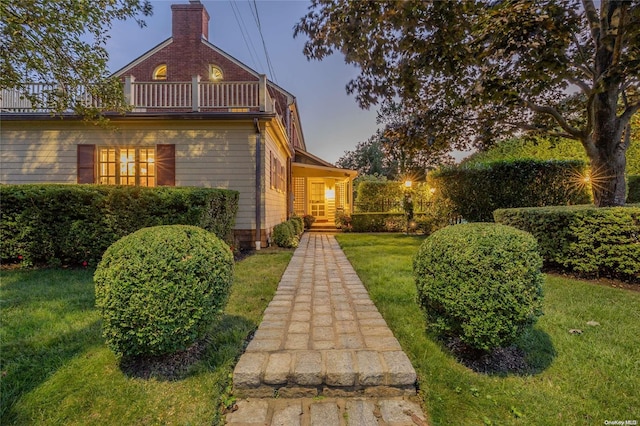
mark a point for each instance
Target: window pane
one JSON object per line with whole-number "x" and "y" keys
{"x": 127, "y": 166}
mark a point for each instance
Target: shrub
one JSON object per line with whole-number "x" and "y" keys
{"x": 379, "y": 196}
{"x": 389, "y": 196}
{"x": 480, "y": 282}
{"x": 426, "y": 223}
{"x": 160, "y": 288}
{"x": 479, "y": 189}
{"x": 374, "y": 222}
{"x": 284, "y": 235}
{"x": 308, "y": 221}
{"x": 584, "y": 239}
{"x": 298, "y": 225}
{"x": 633, "y": 187}
{"x": 69, "y": 224}
{"x": 343, "y": 221}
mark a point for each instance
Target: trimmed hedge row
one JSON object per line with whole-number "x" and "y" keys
{"x": 388, "y": 196}
{"x": 287, "y": 234}
{"x": 426, "y": 223}
{"x": 584, "y": 239}
{"x": 378, "y": 222}
{"x": 55, "y": 224}
{"x": 476, "y": 191}
{"x": 633, "y": 185}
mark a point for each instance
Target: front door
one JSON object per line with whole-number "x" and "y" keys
{"x": 317, "y": 200}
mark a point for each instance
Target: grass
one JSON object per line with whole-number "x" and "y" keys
{"x": 579, "y": 378}
{"x": 57, "y": 370}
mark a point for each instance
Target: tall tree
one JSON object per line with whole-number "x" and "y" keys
{"x": 367, "y": 158}
{"x": 470, "y": 72}
{"x": 388, "y": 153}
{"x": 62, "y": 44}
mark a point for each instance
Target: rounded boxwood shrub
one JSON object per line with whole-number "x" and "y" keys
{"x": 159, "y": 288}
{"x": 480, "y": 282}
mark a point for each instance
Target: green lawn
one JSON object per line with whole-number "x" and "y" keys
{"x": 579, "y": 379}
{"x": 56, "y": 370}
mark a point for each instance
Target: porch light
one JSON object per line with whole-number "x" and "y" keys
{"x": 330, "y": 194}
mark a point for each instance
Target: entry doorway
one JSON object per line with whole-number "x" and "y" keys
{"x": 317, "y": 200}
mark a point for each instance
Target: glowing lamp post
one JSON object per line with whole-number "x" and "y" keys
{"x": 408, "y": 203}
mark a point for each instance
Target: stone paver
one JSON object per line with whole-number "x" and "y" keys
{"x": 322, "y": 337}
{"x": 322, "y": 330}
{"x": 355, "y": 411}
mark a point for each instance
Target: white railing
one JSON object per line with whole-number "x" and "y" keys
{"x": 195, "y": 95}
{"x": 230, "y": 95}
{"x": 46, "y": 94}
{"x": 161, "y": 95}
{"x": 13, "y": 100}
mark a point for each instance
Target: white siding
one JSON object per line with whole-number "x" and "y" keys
{"x": 275, "y": 201}
{"x": 38, "y": 154}
{"x": 217, "y": 155}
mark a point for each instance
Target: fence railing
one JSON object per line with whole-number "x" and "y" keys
{"x": 196, "y": 95}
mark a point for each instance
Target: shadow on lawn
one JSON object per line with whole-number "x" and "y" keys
{"x": 26, "y": 366}
{"x": 223, "y": 345}
{"x": 27, "y": 361}
{"x": 531, "y": 354}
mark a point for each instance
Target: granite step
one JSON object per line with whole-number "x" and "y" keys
{"x": 328, "y": 412}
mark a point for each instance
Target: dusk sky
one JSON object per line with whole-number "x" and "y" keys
{"x": 331, "y": 120}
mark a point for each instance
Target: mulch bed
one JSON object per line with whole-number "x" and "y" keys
{"x": 500, "y": 361}
{"x": 167, "y": 367}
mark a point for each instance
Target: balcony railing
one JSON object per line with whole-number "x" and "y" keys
{"x": 156, "y": 96}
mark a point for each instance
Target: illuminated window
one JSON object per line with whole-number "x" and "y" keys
{"x": 215, "y": 73}
{"x": 127, "y": 166}
{"x": 160, "y": 73}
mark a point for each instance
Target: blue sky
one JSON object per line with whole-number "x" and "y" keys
{"x": 332, "y": 121}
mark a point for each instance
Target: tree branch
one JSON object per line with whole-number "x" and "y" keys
{"x": 629, "y": 111}
{"x": 582, "y": 85}
{"x": 592, "y": 16}
{"x": 576, "y": 133}
{"x": 529, "y": 127}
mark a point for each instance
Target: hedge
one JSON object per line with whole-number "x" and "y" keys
{"x": 426, "y": 223}
{"x": 477, "y": 190}
{"x": 633, "y": 186}
{"x": 388, "y": 196}
{"x": 53, "y": 224}
{"x": 480, "y": 282}
{"x": 287, "y": 234}
{"x": 378, "y": 222}
{"x": 584, "y": 239}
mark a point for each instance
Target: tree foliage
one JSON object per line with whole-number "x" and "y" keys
{"x": 367, "y": 158}
{"x": 545, "y": 149}
{"x": 63, "y": 44}
{"x": 468, "y": 73}
{"x": 395, "y": 152}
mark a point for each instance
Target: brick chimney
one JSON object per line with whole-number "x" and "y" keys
{"x": 190, "y": 21}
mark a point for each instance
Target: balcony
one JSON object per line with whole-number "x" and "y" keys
{"x": 157, "y": 96}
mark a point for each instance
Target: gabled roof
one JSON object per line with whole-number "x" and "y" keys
{"x": 215, "y": 48}
{"x": 305, "y": 157}
{"x": 143, "y": 57}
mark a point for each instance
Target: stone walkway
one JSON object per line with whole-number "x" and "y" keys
{"x": 323, "y": 344}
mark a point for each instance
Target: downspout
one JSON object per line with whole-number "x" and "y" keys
{"x": 258, "y": 240}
